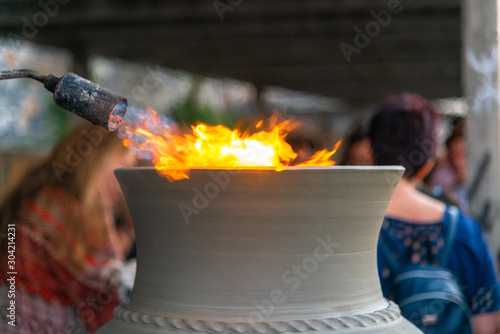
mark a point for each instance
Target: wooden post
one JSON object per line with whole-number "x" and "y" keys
{"x": 481, "y": 87}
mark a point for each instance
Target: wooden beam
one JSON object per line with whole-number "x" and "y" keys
{"x": 294, "y": 44}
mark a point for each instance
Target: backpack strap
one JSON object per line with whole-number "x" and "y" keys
{"x": 449, "y": 240}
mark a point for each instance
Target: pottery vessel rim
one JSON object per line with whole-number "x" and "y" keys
{"x": 289, "y": 168}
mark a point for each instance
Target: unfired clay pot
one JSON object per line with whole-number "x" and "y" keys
{"x": 258, "y": 251}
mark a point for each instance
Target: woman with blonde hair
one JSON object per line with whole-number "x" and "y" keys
{"x": 59, "y": 240}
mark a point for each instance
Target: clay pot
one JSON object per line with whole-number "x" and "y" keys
{"x": 258, "y": 251}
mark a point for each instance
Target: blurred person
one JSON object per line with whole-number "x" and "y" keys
{"x": 302, "y": 144}
{"x": 447, "y": 179}
{"x": 125, "y": 228}
{"x": 358, "y": 151}
{"x": 66, "y": 249}
{"x": 305, "y": 141}
{"x": 403, "y": 132}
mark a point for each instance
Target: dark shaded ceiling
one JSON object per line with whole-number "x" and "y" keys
{"x": 293, "y": 44}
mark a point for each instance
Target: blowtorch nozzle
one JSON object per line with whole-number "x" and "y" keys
{"x": 80, "y": 96}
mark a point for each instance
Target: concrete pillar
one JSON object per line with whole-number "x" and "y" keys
{"x": 481, "y": 87}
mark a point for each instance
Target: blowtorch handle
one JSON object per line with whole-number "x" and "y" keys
{"x": 15, "y": 74}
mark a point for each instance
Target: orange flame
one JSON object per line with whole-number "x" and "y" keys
{"x": 322, "y": 158}
{"x": 174, "y": 152}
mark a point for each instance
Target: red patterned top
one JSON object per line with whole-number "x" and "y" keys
{"x": 89, "y": 291}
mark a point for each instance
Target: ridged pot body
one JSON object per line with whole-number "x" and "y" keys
{"x": 258, "y": 251}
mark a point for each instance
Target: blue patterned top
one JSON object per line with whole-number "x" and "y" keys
{"x": 470, "y": 260}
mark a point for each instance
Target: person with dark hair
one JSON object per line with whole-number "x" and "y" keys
{"x": 447, "y": 179}
{"x": 403, "y": 132}
{"x": 357, "y": 150}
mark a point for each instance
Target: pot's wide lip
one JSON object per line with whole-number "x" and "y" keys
{"x": 289, "y": 168}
